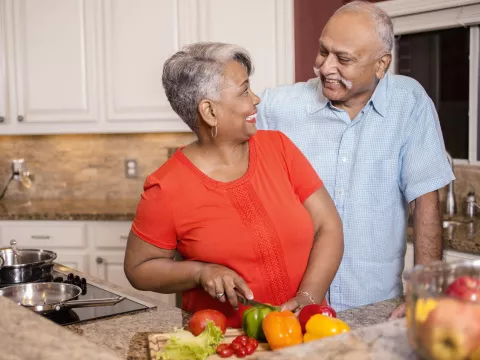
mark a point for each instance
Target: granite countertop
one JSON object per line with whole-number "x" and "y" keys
{"x": 125, "y": 336}
{"x": 69, "y": 209}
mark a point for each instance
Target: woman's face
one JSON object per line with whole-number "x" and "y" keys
{"x": 236, "y": 111}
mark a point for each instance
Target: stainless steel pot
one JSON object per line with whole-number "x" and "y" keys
{"x": 49, "y": 297}
{"x": 25, "y": 265}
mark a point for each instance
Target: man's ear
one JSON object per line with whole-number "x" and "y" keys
{"x": 207, "y": 112}
{"x": 382, "y": 65}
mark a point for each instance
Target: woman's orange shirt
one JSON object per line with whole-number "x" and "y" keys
{"x": 255, "y": 225}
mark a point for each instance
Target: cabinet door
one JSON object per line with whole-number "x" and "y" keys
{"x": 3, "y": 67}
{"x": 109, "y": 266}
{"x": 73, "y": 259}
{"x": 54, "y": 46}
{"x": 138, "y": 37}
{"x": 264, "y": 27}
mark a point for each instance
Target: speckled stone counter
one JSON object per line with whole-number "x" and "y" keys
{"x": 25, "y": 335}
{"x": 125, "y": 335}
{"x": 70, "y": 209}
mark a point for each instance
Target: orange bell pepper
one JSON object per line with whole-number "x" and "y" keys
{"x": 320, "y": 326}
{"x": 282, "y": 329}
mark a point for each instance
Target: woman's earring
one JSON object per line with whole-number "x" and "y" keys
{"x": 214, "y": 131}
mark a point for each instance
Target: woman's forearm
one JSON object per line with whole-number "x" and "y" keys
{"x": 164, "y": 275}
{"x": 323, "y": 263}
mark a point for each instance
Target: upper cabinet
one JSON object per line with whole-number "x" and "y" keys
{"x": 51, "y": 51}
{"x": 95, "y": 66}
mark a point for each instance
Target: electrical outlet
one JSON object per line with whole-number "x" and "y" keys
{"x": 131, "y": 168}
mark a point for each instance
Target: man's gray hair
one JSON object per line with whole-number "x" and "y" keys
{"x": 196, "y": 73}
{"x": 383, "y": 23}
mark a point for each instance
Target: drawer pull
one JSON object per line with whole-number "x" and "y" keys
{"x": 99, "y": 260}
{"x": 40, "y": 237}
{"x": 123, "y": 237}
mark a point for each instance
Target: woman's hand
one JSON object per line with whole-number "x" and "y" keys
{"x": 296, "y": 304}
{"x": 220, "y": 282}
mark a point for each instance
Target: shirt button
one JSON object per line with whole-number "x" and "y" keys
{"x": 340, "y": 190}
{"x": 344, "y": 159}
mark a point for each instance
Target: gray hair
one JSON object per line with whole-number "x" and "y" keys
{"x": 196, "y": 73}
{"x": 383, "y": 23}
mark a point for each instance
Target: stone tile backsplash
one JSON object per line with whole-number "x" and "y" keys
{"x": 87, "y": 166}
{"x": 91, "y": 166}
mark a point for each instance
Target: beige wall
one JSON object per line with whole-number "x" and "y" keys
{"x": 85, "y": 166}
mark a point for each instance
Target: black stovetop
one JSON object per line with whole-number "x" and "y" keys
{"x": 77, "y": 315}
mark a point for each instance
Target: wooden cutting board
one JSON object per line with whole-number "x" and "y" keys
{"x": 156, "y": 342}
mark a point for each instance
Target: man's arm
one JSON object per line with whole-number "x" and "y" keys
{"x": 427, "y": 228}
{"x": 427, "y": 235}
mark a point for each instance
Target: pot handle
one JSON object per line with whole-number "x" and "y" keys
{"x": 89, "y": 303}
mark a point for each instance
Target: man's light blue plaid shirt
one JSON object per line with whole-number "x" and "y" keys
{"x": 372, "y": 166}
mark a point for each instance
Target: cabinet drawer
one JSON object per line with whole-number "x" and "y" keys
{"x": 46, "y": 235}
{"x": 110, "y": 235}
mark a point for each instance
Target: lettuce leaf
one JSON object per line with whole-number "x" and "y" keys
{"x": 183, "y": 345}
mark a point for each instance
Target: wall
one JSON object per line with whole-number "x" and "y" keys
{"x": 310, "y": 18}
{"x": 84, "y": 166}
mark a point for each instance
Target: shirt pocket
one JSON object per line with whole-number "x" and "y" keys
{"x": 375, "y": 183}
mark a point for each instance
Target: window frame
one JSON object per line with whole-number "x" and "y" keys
{"x": 410, "y": 17}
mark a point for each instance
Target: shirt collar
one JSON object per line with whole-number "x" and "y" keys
{"x": 378, "y": 99}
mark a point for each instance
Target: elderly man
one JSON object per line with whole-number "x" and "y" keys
{"x": 375, "y": 140}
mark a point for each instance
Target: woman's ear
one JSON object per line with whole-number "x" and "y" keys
{"x": 206, "y": 110}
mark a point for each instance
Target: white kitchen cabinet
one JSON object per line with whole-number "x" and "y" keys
{"x": 67, "y": 239}
{"x": 94, "y": 66}
{"x": 108, "y": 265}
{"x": 52, "y": 64}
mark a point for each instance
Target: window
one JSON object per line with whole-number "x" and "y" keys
{"x": 439, "y": 61}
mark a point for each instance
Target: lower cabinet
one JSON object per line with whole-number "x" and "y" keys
{"x": 96, "y": 248}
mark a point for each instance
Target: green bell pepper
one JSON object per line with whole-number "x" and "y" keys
{"x": 252, "y": 321}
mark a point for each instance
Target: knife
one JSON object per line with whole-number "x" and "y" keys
{"x": 244, "y": 301}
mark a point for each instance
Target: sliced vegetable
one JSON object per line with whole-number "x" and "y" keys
{"x": 183, "y": 345}
{"x": 320, "y": 326}
{"x": 282, "y": 329}
{"x": 252, "y": 321}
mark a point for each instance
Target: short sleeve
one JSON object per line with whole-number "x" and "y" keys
{"x": 304, "y": 178}
{"x": 425, "y": 167}
{"x": 154, "y": 221}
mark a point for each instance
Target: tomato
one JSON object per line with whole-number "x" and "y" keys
{"x": 241, "y": 352}
{"x": 197, "y": 323}
{"x": 242, "y": 340}
{"x": 225, "y": 352}
{"x": 465, "y": 287}
{"x": 253, "y": 342}
{"x": 250, "y": 348}
{"x": 221, "y": 347}
{"x": 235, "y": 346}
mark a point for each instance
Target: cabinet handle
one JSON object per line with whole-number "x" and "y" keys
{"x": 99, "y": 260}
{"x": 20, "y": 118}
{"x": 40, "y": 237}
{"x": 123, "y": 237}
{"x": 2, "y": 119}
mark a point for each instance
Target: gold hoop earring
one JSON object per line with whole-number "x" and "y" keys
{"x": 214, "y": 131}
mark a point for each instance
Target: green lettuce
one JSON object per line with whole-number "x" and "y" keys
{"x": 183, "y": 345}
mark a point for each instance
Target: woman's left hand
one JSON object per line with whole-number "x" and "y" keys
{"x": 296, "y": 304}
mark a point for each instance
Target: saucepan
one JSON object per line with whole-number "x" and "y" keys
{"x": 47, "y": 297}
{"x": 25, "y": 265}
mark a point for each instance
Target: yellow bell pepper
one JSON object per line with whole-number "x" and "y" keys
{"x": 320, "y": 326}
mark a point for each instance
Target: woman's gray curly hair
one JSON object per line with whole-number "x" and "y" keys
{"x": 196, "y": 72}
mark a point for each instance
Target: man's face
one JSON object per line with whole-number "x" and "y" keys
{"x": 348, "y": 57}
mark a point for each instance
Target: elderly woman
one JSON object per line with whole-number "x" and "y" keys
{"x": 245, "y": 209}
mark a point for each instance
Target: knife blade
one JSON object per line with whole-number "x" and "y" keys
{"x": 246, "y": 302}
